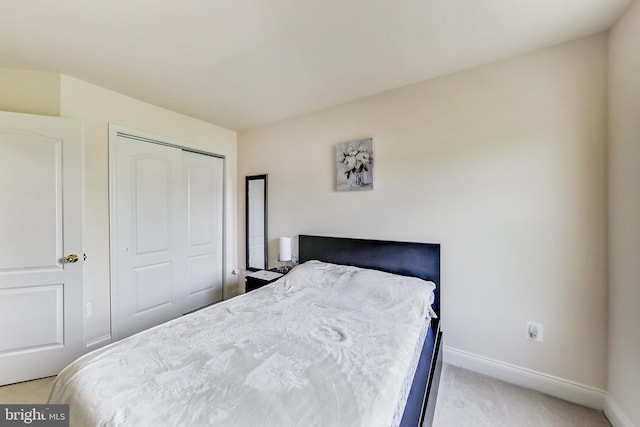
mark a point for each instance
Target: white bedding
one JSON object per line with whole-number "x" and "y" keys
{"x": 325, "y": 345}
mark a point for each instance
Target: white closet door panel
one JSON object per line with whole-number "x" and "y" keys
{"x": 202, "y": 203}
{"x": 204, "y": 189}
{"x": 153, "y": 286}
{"x": 149, "y": 233}
{"x": 152, "y": 178}
{"x": 203, "y": 270}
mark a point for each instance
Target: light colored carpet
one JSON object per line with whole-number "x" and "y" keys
{"x": 33, "y": 392}
{"x": 467, "y": 398}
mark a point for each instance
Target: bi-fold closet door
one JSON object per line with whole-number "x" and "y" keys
{"x": 167, "y": 236}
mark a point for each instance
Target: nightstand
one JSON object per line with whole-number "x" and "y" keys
{"x": 258, "y": 279}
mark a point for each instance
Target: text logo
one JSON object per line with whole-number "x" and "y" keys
{"x": 34, "y": 415}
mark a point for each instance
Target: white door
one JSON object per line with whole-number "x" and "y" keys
{"x": 167, "y": 225}
{"x": 41, "y": 323}
{"x": 147, "y": 228}
{"x": 204, "y": 188}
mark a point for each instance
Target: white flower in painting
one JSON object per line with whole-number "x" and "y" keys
{"x": 363, "y": 157}
{"x": 349, "y": 163}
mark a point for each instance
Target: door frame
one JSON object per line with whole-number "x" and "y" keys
{"x": 115, "y": 131}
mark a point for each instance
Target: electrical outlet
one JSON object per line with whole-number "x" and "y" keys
{"x": 88, "y": 311}
{"x": 534, "y": 331}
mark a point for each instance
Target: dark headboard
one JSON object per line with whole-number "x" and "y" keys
{"x": 404, "y": 258}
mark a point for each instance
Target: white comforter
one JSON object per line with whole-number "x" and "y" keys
{"x": 325, "y": 345}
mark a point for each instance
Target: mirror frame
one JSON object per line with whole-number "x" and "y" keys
{"x": 248, "y": 210}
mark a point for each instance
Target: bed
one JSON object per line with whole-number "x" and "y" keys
{"x": 404, "y": 258}
{"x": 347, "y": 338}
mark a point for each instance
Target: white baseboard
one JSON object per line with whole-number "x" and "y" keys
{"x": 614, "y": 413}
{"x": 567, "y": 390}
{"x": 98, "y": 342}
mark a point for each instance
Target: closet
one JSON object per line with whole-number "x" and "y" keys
{"x": 167, "y": 231}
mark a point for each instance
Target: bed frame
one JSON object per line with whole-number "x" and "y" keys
{"x": 404, "y": 258}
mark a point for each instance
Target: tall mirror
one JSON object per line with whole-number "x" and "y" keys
{"x": 256, "y": 217}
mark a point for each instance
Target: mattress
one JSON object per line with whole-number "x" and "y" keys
{"x": 325, "y": 345}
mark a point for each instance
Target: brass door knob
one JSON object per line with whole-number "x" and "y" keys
{"x": 71, "y": 258}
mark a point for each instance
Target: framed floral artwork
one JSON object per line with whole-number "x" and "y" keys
{"x": 354, "y": 163}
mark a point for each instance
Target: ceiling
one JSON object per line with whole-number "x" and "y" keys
{"x": 245, "y": 63}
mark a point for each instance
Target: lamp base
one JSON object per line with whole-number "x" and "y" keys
{"x": 284, "y": 266}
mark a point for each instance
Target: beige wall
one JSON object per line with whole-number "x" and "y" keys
{"x": 30, "y": 92}
{"x": 504, "y": 165}
{"x": 97, "y": 107}
{"x": 624, "y": 214}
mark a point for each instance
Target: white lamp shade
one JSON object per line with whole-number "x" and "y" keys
{"x": 285, "y": 249}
